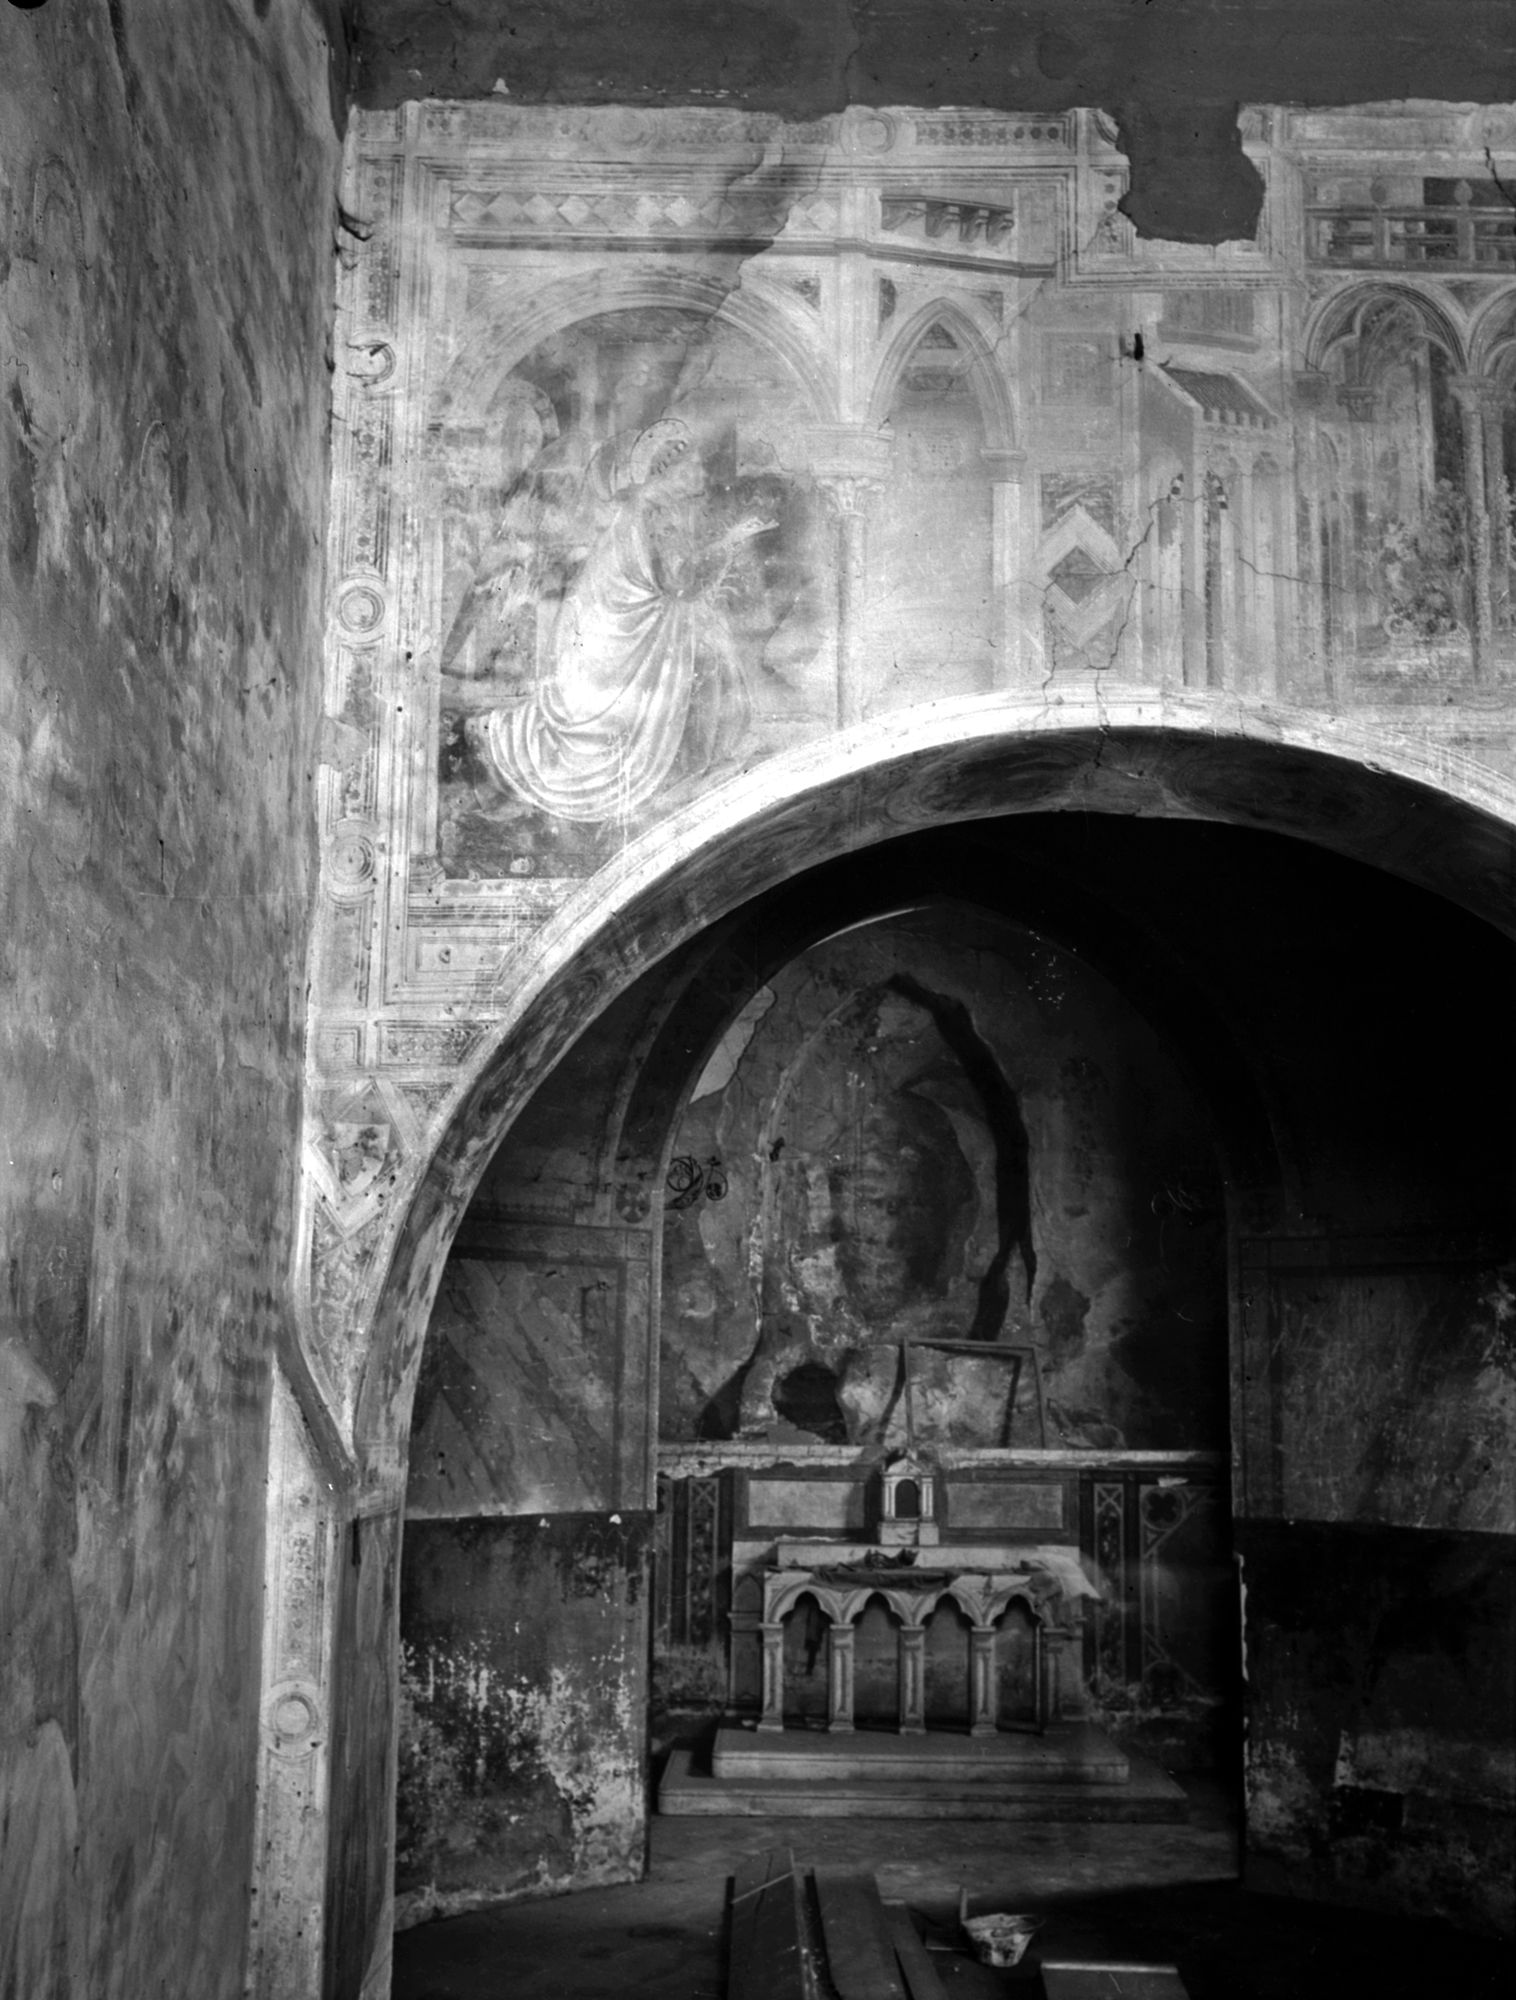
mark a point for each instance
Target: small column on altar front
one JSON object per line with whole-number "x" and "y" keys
{"x": 1063, "y": 1690}
{"x": 772, "y": 1717}
{"x": 839, "y": 1656}
{"x": 912, "y": 1653}
{"x": 982, "y": 1703}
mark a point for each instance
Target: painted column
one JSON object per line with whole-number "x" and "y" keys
{"x": 772, "y": 1717}
{"x": 912, "y": 1645}
{"x": 1470, "y": 392}
{"x": 1498, "y": 508}
{"x": 1162, "y": 568}
{"x": 1195, "y": 510}
{"x": 1242, "y": 634}
{"x": 1017, "y": 607}
{"x": 1310, "y": 622}
{"x": 839, "y": 1661}
{"x": 1361, "y": 401}
{"x": 1270, "y": 571}
{"x": 851, "y": 462}
{"x": 850, "y": 499}
{"x": 983, "y": 1707}
{"x": 1213, "y": 577}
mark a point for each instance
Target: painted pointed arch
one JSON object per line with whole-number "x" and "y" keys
{"x": 975, "y": 337}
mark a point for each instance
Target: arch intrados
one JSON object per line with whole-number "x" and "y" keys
{"x": 867, "y": 888}
{"x": 483, "y": 363}
{"x": 1424, "y": 814}
{"x": 1493, "y": 334}
{"x": 1341, "y": 320}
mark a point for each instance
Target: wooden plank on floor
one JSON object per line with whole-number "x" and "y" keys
{"x": 764, "y": 1950}
{"x": 917, "y": 1970}
{"x": 1110, "y": 1979}
{"x": 860, "y": 1949}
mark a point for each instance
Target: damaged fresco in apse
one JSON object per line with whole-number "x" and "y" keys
{"x": 912, "y": 1141}
{"x": 632, "y": 576}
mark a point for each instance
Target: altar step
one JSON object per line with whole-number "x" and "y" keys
{"x": 1070, "y": 1751}
{"x": 1070, "y": 1772}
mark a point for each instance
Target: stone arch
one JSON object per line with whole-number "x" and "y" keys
{"x": 1040, "y": 1609}
{"x": 1424, "y": 813}
{"x": 991, "y": 393}
{"x": 785, "y": 1600}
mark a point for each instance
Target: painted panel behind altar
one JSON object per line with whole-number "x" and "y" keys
{"x": 635, "y": 576}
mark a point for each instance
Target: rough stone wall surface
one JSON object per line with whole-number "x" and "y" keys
{"x": 1380, "y": 1760}
{"x": 165, "y": 188}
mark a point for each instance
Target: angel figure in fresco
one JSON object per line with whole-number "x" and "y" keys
{"x": 641, "y": 679}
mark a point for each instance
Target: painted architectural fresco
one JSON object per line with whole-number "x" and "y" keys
{"x": 677, "y": 440}
{"x": 670, "y": 445}
{"x": 633, "y": 587}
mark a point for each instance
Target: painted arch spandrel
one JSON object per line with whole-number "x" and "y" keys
{"x": 636, "y": 587}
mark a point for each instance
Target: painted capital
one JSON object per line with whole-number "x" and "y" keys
{"x": 1007, "y": 468}
{"x": 852, "y": 461}
{"x": 1360, "y": 400}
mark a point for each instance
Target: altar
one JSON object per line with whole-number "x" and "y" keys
{"x": 946, "y": 1584}
{"x": 983, "y": 1583}
{"x": 994, "y": 1550}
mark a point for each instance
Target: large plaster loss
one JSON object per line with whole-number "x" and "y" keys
{"x": 886, "y": 707}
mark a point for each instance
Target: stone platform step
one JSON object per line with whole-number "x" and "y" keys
{"x": 1149, "y": 1794}
{"x": 1067, "y": 1753}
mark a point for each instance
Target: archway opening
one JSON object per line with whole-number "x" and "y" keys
{"x": 1328, "y": 1033}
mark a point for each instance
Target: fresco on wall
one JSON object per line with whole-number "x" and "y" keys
{"x": 933, "y": 1129}
{"x": 931, "y": 597}
{"x": 676, "y": 444}
{"x": 633, "y": 575}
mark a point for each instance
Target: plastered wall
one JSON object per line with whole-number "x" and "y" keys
{"x": 166, "y": 178}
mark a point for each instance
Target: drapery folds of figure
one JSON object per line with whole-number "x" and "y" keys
{"x": 641, "y": 680}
